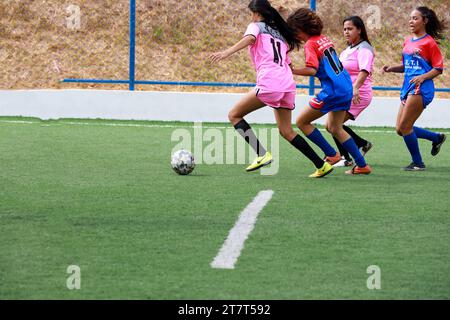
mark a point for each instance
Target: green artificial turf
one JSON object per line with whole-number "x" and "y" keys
{"x": 101, "y": 195}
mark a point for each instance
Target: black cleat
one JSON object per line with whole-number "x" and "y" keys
{"x": 415, "y": 167}
{"x": 366, "y": 148}
{"x": 437, "y": 146}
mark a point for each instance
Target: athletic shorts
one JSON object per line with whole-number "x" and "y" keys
{"x": 427, "y": 99}
{"x": 426, "y": 90}
{"x": 325, "y": 108}
{"x": 277, "y": 100}
{"x": 357, "y": 109}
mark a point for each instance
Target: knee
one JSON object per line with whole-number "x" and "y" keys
{"x": 300, "y": 123}
{"x": 328, "y": 128}
{"x": 333, "y": 129}
{"x": 233, "y": 117}
{"x": 403, "y": 130}
{"x": 287, "y": 133}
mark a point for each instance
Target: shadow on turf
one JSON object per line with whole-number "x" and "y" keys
{"x": 431, "y": 172}
{"x": 389, "y": 169}
{"x": 193, "y": 175}
{"x": 430, "y": 168}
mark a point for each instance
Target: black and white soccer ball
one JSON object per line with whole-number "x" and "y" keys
{"x": 183, "y": 162}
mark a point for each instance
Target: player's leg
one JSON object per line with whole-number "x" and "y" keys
{"x": 335, "y": 125}
{"x": 354, "y": 112}
{"x": 437, "y": 139}
{"x": 304, "y": 120}
{"x": 284, "y": 121}
{"x": 408, "y": 115}
{"x": 346, "y": 159}
{"x": 399, "y": 117}
{"x": 246, "y": 105}
{"x": 363, "y": 145}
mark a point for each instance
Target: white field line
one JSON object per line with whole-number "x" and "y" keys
{"x": 92, "y": 124}
{"x": 231, "y": 249}
{"x": 171, "y": 126}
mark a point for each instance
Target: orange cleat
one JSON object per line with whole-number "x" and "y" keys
{"x": 333, "y": 160}
{"x": 357, "y": 170}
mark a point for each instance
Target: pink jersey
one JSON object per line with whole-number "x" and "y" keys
{"x": 270, "y": 59}
{"x": 356, "y": 59}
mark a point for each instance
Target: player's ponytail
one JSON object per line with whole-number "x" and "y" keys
{"x": 273, "y": 19}
{"x": 283, "y": 28}
{"x": 434, "y": 26}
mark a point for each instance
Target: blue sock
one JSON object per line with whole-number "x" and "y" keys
{"x": 413, "y": 146}
{"x": 425, "y": 134}
{"x": 352, "y": 148}
{"x": 320, "y": 141}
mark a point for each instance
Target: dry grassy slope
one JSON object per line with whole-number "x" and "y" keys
{"x": 174, "y": 39}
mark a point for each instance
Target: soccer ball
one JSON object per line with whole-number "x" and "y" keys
{"x": 183, "y": 162}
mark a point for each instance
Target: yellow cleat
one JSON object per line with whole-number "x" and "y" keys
{"x": 325, "y": 170}
{"x": 260, "y": 162}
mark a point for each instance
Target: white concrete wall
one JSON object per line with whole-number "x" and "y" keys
{"x": 173, "y": 106}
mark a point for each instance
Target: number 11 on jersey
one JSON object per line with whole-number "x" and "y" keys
{"x": 277, "y": 57}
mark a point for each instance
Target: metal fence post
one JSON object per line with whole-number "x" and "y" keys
{"x": 311, "y": 79}
{"x": 132, "y": 43}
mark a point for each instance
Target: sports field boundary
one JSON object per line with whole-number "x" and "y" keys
{"x": 169, "y": 125}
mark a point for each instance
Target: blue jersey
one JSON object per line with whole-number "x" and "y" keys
{"x": 420, "y": 56}
{"x": 337, "y": 88}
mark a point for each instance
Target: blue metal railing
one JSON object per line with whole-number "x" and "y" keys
{"x": 176, "y": 83}
{"x": 132, "y": 69}
{"x": 132, "y": 43}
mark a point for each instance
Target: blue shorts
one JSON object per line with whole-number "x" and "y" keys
{"x": 426, "y": 90}
{"x": 325, "y": 108}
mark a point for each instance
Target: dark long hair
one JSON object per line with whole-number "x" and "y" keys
{"x": 434, "y": 26}
{"x": 274, "y": 20}
{"x": 359, "y": 24}
{"x": 306, "y": 20}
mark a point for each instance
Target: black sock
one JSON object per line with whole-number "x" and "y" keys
{"x": 342, "y": 150}
{"x": 303, "y": 146}
{"x": 360, "y": 142}
{"x": 247, "y": 133}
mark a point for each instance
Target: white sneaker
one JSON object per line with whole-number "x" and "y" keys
{"x": 340, "y": 164}
{"x": 344, "y": 163}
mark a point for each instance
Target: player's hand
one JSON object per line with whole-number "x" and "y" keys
{"x": 218, "y": 56}
{"x": 356, "y": 96}
{"x": 385, "y": 69}
{"x": 418, "y": 80}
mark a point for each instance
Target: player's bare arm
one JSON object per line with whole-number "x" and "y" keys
{"x": 427, "y": 76}
{"x": 243, "y": 43}
{"x": 305, "y": 71}
{"x": 395, "y": 69}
